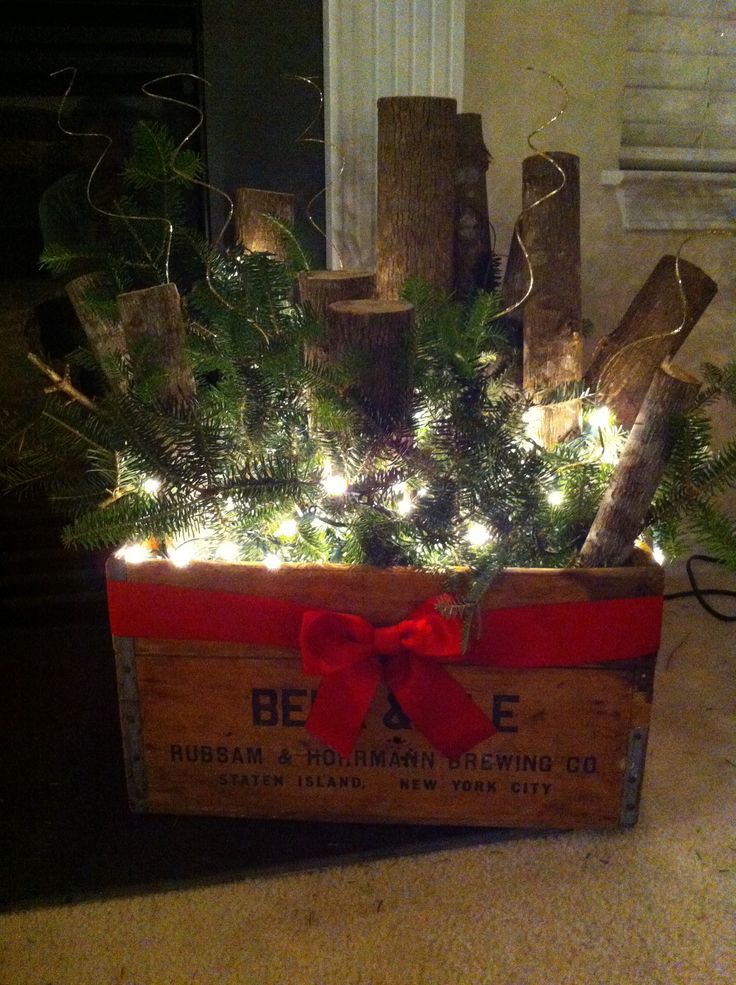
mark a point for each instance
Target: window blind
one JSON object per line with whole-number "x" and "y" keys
{"x": 680, "y": 86}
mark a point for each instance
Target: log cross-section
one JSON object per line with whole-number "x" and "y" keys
{"x": 415, "y": 209}
{"x": 373, "y": 339}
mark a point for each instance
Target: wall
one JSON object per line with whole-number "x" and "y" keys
{"x": 582, "y": 42}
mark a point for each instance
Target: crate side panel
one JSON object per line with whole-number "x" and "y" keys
{"x": 225, "y": 735}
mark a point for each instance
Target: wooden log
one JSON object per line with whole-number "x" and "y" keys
{"x": 623, "y": 511}
{"x": 105, "y": 336}
{"x": 254, "y": 209}
{"x": 155, "y": 331}
{"x": 415, "y": 217}
{"x": 625, "y": 361}
{"x": 320, "y": 288}
{"x": 552, "y": 316}
{"x": 473, "y": 268}
{"x": 373, "y": 338}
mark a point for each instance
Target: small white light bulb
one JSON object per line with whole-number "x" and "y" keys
{"x": 134, "y": 553}
{"x": 477, "y": 534}
{"x": 151, "y": 486}
{"x": 335, "y": 485}
{"x": 182, "y": 555}
{"x": 287, "y": 529}
{"x": 556, "y": 497}
{"x": 404, "y": 506}
{"x": 658, "y": 555}
{"x": 228, "y": 551}
{"x": 272, "y": 562}
{"x": 601, "y": 418}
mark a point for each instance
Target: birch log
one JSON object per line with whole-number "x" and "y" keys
{"x": 625, "y": 361}
{"x": 373, "y": 339}
{"x": 105, "y": 336}
{"x": 415, "y": 208}
{"x": 623, "y": 511}
{"x": 155, "y": 331}
{"x": 473, "y": 268}
{"x": 254, "y": 210}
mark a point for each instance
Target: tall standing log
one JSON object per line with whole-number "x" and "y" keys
{"x": 625, "y": 361}
{"x": 552, "y": 316}
{"x": 415, "y": 209}
{"x": 373, "y": 339}
{"x": 155, "y": 331}
{"x": 623, "y": 511}
{"x": 473, "y": 268}
{"x": 105, "y": 336}
{"x": 254, "y": 210}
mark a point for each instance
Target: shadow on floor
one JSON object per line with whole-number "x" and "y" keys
{"x": 69, "y": 834}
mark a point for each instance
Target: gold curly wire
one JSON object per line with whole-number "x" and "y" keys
{"x": 612, "y": 361}
{"x": 304, "y": 138}
{"x": 555, "y": 191}
{"x": 195, "y": 181}
{"x": 93, "y": 172}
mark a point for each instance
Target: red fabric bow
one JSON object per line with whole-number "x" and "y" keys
{"x": 354, "y": 656}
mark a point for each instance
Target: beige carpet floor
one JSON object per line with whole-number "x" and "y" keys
{"x": 648, "y": 906}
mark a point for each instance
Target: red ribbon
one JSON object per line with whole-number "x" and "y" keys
{"x": 353, "y": 656}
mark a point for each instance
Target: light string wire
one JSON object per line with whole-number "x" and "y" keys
{"x": 305, "y": 138}
{"x": 88, "y": 191}
{"x": 550, "y": 194}
{"x": 604, "y": 378}
{"x": 187, "y": 177}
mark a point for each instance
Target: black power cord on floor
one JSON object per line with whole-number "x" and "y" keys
{"x": 700, "y": 593}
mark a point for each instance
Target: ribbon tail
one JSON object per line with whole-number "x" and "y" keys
{"x": 342, "y": 703}
{"x": 439, "y": 706}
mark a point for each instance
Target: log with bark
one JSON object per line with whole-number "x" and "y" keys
{"x": 623, "y": 511}
{"x": 625, "y": 361}
{"x": 105, "y": 336}
{"x": 255, "y": 211}
{"x": 473, "y": 266}
{"x": 415, "y": 209}
{"x": 372, "y": 340}
{"x": 318, "y": 289}
{"x": 155, "y": 331}
{"x": 552, "y": 315}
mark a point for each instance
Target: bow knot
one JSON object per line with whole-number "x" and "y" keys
{"x": 353, "y": 656}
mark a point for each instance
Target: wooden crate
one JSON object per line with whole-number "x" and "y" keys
{"x": 217, "y": 726}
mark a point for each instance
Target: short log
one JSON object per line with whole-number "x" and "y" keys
{"x": 106, "y": 337}
{"x": 473, "y": 268}
{"x": 155, "y": 332}
{"x": 320, "y": 288}
{"x": 622, "y": 514}
{"x": 254, "y": 209}
{"x": 374, "y": 339}
{"x": 415, "y": 209}
{"x": 626, "y": 361}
